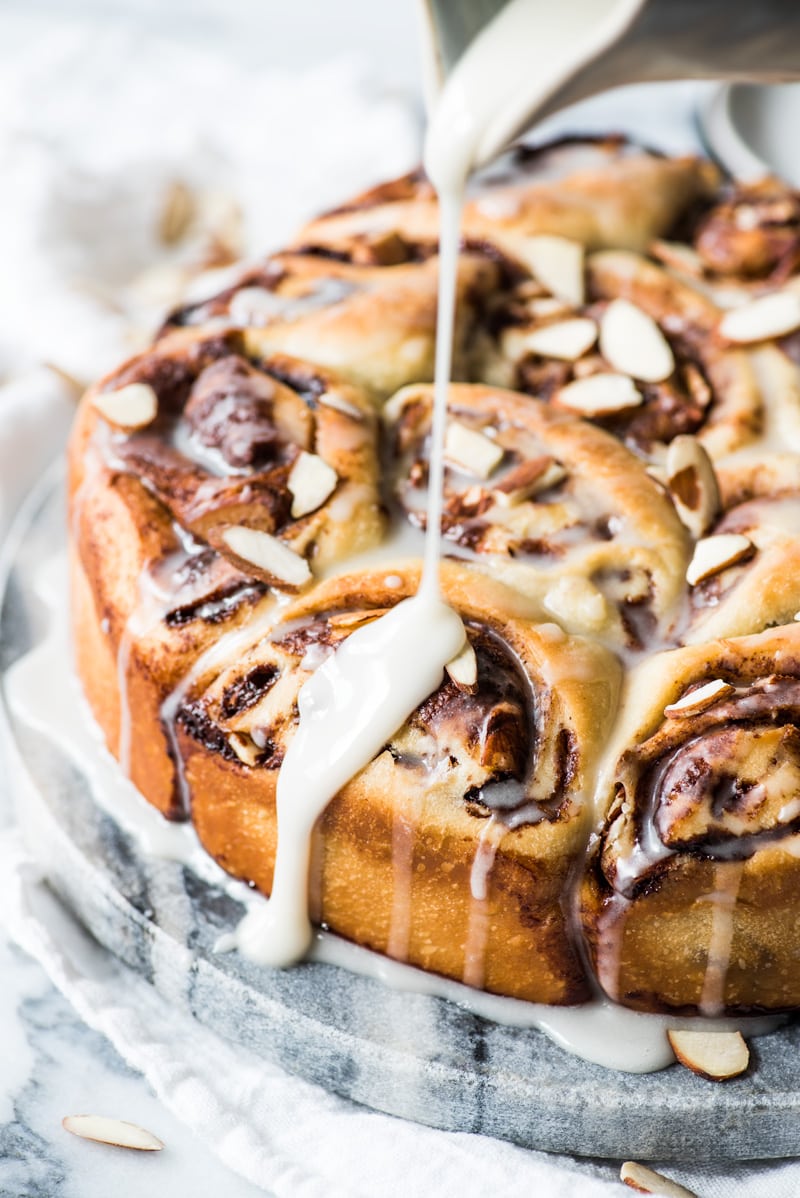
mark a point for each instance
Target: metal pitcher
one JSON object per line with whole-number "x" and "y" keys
{"x": 743, "y": 40}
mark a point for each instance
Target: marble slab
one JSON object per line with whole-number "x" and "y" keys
{"x": 407, "y": 1054}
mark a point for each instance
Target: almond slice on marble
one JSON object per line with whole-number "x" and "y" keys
{"x": 692, "y": 483}
{"x": 557, "y": 263}
{"x": 714, "y": 1055}
{"x": 600, "y": 394}
{"x": 632, "y": 343}
{"x": 112, "y": 1131}
{"x": 267, "y": 553}
{"x": 647, "y": 1181}
{"x": 527, "y": 479}
{"x": 768, "y": 316}
{"x": 311, "y": 481}
{"x": 567, "y": 339}
{"x": 699, "y": 700}
{"x": 131, "y": 407}
{"x": 463, "y": 669}
{"x": 471, "y": 450}
{"x": 714, "y": 554}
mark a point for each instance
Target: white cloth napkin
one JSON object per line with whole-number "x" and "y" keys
{"x": 83, "y": 167}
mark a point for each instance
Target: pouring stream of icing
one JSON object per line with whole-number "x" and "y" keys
{"x": 363, "y": 693}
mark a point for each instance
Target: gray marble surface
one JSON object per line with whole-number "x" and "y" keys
{"x": 52, "y": 1065}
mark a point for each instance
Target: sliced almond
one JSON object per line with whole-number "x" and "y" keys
{"x": 712, "y": 555}
{"x": 244, "y": 748}
{"x": 112, "y": 1131}
{"x": 679, "y": 256}
{"x": 311, "y": 481}
{"x": 475, "y": 453}
{"x": 696, "y": 385}
{"x": 131, "y": 407}
{"x": 699, "y": 700}
{"x": 557, "y": 263}
{"x": 768, "y": 316}
{"x": 692, "y": 483}
{"x": 600, "y": 394}
{"x": 74, "y": 385}
{"x": 647, "y": 1181}
{"x": 333, "y": 399}
{"x": 567, "y": 339}
{"x": 527, "y": 479}
{"x": 632, "y": 343}
{"x": 463, "y": 669}
{"x": 267, "y": 553}
{"x": 354, "y": 619}
{"x": 255, "y": 306}
{"x": 546, "y": 306}
{"x": 177, "y": 213}
{"x": 715, "y": 1055}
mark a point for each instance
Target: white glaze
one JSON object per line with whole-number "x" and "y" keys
{"x": 349, "y": 708}
{"x": 727, "y": 879}
{"x": 599, "y": 1031}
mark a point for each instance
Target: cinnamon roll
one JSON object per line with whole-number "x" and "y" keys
{"x": 745, "y": 575}
{"x": 744, "y": 251}
{"x": 549, "y": 505}
{"x": 452, "y": 849}
{"x": 372, "y": 320}
{"x": 202, "y": 477}
{"x": 635, "y": 350}
{"x": 689, "y": 900}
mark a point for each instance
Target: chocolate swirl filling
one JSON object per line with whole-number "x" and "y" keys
{"x": 227, "y": 434}
{"x": 720, "y": 784}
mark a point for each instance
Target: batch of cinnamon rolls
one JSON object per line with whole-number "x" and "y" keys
{"x": 605, "y": 792}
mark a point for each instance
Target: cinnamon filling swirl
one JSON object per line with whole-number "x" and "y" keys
{"x": 719, "y": 784}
